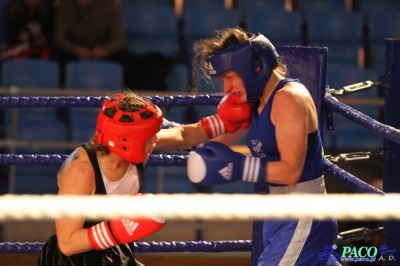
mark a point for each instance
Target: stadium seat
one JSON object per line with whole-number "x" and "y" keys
{"x": 340, "y": 76}
{"x": 202, "y": 23}
{"x": 36, "y": 73}
{"x": 151, "y": 28}
{"x": 286, "y": 29}
{"x": 204, "y": 3}
{"x": 34, "y": 124}
{"x": 306, "y": 6}
{"x": 244, "y": 5}
{"x": 347, "y": 134}
{"x": 94, "y": 75}
{"x": 2, "y": 26}
{"x": 382, "y": 25}
{"x": 199, "y": 22}
{"x": 147, "y": 2}
{"x": 340, "y": 31}
{"x": 91, "y": 75}
{"x": 36, "y": 179}
{"x": 369, "y": 6}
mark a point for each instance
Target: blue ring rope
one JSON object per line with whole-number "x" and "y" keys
{"x": 94, "y": 101}
{"x": 363, "y": 120}
{"x": 145, "y": 247}
{"x": 179, "y": 160}
{"x": 58, "y": 159}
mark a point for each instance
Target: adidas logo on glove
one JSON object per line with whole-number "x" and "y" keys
{"x": 226, "y": 172}
{"x": 130, "y": 226}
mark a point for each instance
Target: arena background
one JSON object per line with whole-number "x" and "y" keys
{"x": 354, "y": 32}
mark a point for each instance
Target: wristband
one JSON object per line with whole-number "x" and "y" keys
{"x": 213, "y": 125}
{"x": 101, "y": 237}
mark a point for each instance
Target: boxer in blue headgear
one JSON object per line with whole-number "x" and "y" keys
{"x": 254, "y": 60}
{"x": 283, "y": 138}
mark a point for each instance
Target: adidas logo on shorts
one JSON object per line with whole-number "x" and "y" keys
{"x": 226, "y": 172}
{"x": 130, "y": 226}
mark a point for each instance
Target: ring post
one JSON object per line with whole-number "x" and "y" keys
{"x": 391, "y": 181}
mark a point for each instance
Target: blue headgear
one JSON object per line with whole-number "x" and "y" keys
{"x": 253, "y": 60}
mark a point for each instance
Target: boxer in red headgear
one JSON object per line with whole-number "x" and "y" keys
{"x": 110, "y": 163}
{"x": 125, "y": 133}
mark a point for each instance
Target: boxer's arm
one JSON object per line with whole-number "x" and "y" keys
{"x": 234, "y": 117}
{"x": 191, "y": 135}
{"x": 230, "y": 139}
{"x": 180, "y": 137}
{"x": 76, "y": 177}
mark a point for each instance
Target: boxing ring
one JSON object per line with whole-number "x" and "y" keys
{"x": 306, "y": 63}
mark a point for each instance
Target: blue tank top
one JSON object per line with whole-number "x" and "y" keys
{"x": 262, "y": 142}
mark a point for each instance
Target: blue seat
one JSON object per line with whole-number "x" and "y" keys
{"x": 204, "y": 3}
{"x": 321, "y": 5}
{"x": 200, "y": 22}
{"x": 151, "y": 28}
{"x": 91, "y": 75}
{"x": 350, "y": 136}
{"x": 369, "y": 6}
{"x": 83, "y": 123}
{"x": 347, "y": 134}
{"x": 177, "y": 81}
{"x": 36, "y": 179}
{"x": 261, "y": 4}
{"x": 40, "y": 124}
{"x": 94, "y": 74}
{"x": 340, "y": 31}
{"x": 2, "y": 26}
{"x": 29, "y": 72}
{"x": 34, "y": 124}
{"x": 178, "y": 78}
{"x": 125, "y": 3}
{"x": 174, "y": 180}
{"x": 382, "y": 25}
{"x": 340, "y": 76}
{"x": 286, "y": 29}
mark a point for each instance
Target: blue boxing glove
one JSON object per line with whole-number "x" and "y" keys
{"x": 215, "y": 163}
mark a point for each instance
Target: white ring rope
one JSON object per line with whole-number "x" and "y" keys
{"x": 203, "y": 206}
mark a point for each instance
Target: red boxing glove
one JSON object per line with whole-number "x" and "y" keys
{"x": 233, "y": 114}
{"x": 121, "y": 231}
{"x": 111, "y": 233}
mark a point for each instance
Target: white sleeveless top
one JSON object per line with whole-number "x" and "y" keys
{"x": 128, "y": 184}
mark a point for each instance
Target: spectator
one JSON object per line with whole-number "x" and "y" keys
{"x": 28, "y": 29}
{"x": 87, "y": 29}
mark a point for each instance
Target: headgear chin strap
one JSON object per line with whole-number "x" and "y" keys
{"x": 254, "y": 60}
{"x": 127, "y": 139}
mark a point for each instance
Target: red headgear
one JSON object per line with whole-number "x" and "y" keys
{"x": 127, "y": 139}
